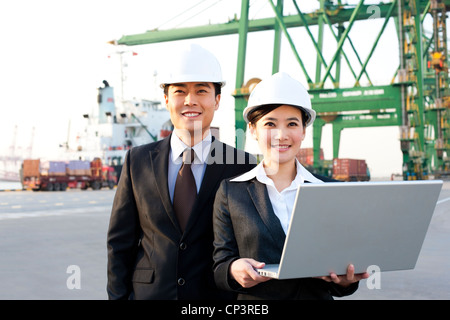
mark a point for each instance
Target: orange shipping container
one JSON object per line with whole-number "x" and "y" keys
{"x": 349, "y": 169}
{"x": 31, "y": 168}
{"x": 306, "y": 156}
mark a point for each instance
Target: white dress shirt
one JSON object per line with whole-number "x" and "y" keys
{"x": 198, "y": 166}
{"x": 282, "y": 202}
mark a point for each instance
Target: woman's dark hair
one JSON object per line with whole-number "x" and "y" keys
{"x": 255, "y": 115}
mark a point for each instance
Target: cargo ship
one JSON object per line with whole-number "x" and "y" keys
{"x": 112, "y": 128}
{"x": 109, "y": 131}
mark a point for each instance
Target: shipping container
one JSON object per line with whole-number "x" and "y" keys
{"x": 350, "y": 170}
{"x": 306, "y": 156}
{"x": 57, "y": 168}
{"x": 31, "y": 167}
{"x": 79, "y": 168}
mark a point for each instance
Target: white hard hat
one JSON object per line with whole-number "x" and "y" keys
{"x": 281, "y": 89}
{"x": 192, "y": 64}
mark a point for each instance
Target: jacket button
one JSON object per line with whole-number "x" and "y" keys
{"x": 181, "y": 282}
{"x": 183, "y": 246}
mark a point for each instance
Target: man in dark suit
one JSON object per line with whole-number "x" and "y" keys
{"x": 152, "y": 253}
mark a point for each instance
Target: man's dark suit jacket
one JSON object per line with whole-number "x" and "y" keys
{"x": 149, "y": 257}
{"x": 245, "y": 226}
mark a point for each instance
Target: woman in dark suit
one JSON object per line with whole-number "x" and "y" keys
{"x": 252, "y": 211}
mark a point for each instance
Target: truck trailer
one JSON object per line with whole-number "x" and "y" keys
{"x": 60, "y": 175}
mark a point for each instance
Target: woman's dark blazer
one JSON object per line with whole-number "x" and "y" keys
{"x": 245, "y": 226}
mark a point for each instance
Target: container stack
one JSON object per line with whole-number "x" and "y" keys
{"x": 306, "y": 156}
{"x": 350, "y": 169}
{"x": 57, "y": 168}
{"x": 78, "y": 168}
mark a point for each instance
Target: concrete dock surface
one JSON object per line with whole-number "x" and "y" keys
{"x": 53, "y": 247}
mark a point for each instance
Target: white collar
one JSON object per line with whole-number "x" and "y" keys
{"x": 260, "y": 174}
{"x": 201, "y": 149}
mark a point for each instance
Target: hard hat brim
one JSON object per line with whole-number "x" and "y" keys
{"x": 310, "y": 113}
{"x": 189, "y": 79}
{"x": 280, "y": 89}
{"x": 191, "y": 63}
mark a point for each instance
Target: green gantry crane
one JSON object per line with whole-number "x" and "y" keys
{"x": 417, "y": 100}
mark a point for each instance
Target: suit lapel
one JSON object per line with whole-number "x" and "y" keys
{"x": 213, "y": 171}
{"x": 159, "y": 161}
{"x": 260, "y": 197}
{"x": 212, "y": 177}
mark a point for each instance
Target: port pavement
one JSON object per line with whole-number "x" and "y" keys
{"x": 48, "y": 239}
{"x": 53, "y": 247}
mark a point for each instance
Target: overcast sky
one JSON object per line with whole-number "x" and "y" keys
{"x": 55, "y": 55}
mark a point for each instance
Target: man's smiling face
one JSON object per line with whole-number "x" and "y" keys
{"x": 192, "y": 106}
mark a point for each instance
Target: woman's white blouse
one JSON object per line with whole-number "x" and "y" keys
{"x": 282, "y": 202}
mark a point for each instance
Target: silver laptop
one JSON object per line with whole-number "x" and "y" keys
{"x": 363, "y": 223}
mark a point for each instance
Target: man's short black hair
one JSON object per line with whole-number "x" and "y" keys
{"x": 217, "y": 88}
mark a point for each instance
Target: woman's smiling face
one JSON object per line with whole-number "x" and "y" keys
{"x": 280, "y": 134}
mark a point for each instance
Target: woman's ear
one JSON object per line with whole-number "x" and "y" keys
{"x": 252, "y": 131}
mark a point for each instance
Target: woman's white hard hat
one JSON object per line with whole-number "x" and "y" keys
{"x": 280, "y": 89}
{"x": 192, "y": 64}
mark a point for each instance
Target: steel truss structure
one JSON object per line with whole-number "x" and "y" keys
{"x": 417, "y": 99}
